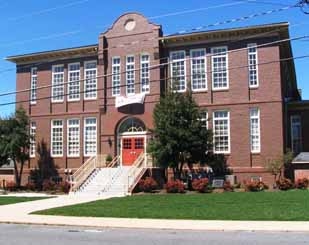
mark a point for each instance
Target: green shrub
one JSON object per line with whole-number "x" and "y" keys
{"x": 302, "y": 183}
{"x": 148, "y": 184}
{"x": 255, "y": 186}
{"x": 175, "y": 186}
{"x": 201, "y": 185}
{"x": 284, "y": 184}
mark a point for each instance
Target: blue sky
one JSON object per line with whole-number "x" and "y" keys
{"x": 32, "y": 26}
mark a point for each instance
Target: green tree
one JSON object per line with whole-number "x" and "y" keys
{"x": 179, "y": 135}
{"x": 15, "y": 141}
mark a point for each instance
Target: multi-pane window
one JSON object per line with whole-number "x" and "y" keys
{"x": 32, "y": 147}
{"x": 253, "y": 65}
{"x": 198, "y": 69}
{"x": 33, "y": 85}
{"x": 74, "y": 82}
{"x": 219, "y": 68}
{"x": 73, "y": 137}
{"x": 204, "y": 119}
{"x": 255, "y": 138}
{"x": 58, "y": 83}
{"x": 90, "y": 136}
{"x": 56, "y": 138}
{"x": 130, "y": 75}
{"x": 116, "y": 76}
{"x": 90, "y": 83}
{"x": 296, "y": 134}
{"x": 221, "y": 131}
{"x": 145, "y": 87}
{"x": 178, "y": 70}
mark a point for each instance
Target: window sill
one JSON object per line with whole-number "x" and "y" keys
{"x": 220, "y": 89}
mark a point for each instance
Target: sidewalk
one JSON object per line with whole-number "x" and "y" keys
{"x": 19, "y": 213}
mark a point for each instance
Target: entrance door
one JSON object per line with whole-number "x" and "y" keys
{"x": 131, "y": 149}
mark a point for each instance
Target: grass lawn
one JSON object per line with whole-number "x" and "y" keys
{"x": 10, "y": 200}
{"x": 289, "y": 205}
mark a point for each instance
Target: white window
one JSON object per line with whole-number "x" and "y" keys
{"x": 255, "y": 138}
{"x": 253, "y": 65}
{"x": 116, "y": 76}
{"x": 145, "y": 76}
{"x": 90, "y": 136}
{"x": 57, "y": 83}
{"x": 296, "y": 134}
{"x": 32, "y": 148}
{"x": 130, "y": 75}
{"x": 198, "y": 69}
{"x": 34, "y": 81}
{"x": 57, "y": 138}
{"x": 204, "y": 119}
{"x": 73, "y": 137}
{"x": 74, "y": 82}
{"x": 90, "y": 84}
{"x": 178, "y": 70}
{"x": 221, "y": 131}
{"x": 219, "y": 59}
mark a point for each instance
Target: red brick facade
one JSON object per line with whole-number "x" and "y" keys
{"x": 143, "y": 37}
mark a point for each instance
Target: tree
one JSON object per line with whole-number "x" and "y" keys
{"x": 179, "y": 135}
{"x": 15, "y": 141}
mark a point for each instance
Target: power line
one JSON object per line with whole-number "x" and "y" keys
{"x": 156, "y": 80}
{"x": 155, "y": 66}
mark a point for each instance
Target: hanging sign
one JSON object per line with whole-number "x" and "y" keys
{"x": 131, "y": 99}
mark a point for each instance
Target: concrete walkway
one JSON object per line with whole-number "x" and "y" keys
{"x": 19, "y": 213}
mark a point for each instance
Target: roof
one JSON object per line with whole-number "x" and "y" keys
{"x": 302, "y": 157}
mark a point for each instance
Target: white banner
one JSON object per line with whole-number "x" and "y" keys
{"x": 128, "y": 100}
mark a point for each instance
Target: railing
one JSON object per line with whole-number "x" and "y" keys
{"x": 137, "y": 171}
{"x": 112, "y": 177}
{"x": 86, "y": 169}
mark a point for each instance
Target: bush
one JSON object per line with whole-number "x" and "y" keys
{"x": 227, "y": 186}
{"x": 255, "y": 186}
{"x": 284, "y": 184}
{"x": 11, "y": 186}
{"x": 302, "y": 183}
{"x": 201, "y": 185}
{"x": 64, "y": 187}
{"x": 175, "y": 186}
{"x": 148, "y": 184}
{"x": 49, "y": 185}
{"x": 30, "y": 186}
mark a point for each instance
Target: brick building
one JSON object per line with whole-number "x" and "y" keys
{"x": 98, "y": 99}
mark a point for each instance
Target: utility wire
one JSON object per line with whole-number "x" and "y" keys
{"x": 156, "y": 80}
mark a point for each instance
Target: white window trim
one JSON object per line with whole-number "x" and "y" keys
{"x": 79, "y": 81}
{"x": 227, "y": 70}
{"x": 229, "y": 132}
{"x": 191, "y": 66}
{"x": 51, "y": 137}
{"x": 96, "y": 69}
{"x": 113, "y": 58}
{"x": 185, "y": 69}
{"x": 142, "y": 62}
{"x": 292, "y": 136}
{"x": 33, "y": 101}
{"x": 33, "y": 139}
{"x": 259, "y": 128}
{"x": 130, "y": 63}
{"x": 53, "y": 99}
{"x": 68, "y": 127}
{"x": 84, "y": 140}
{"x": 257, "y": 66}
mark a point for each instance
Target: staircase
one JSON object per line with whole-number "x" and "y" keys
{"x": 110, "y": 180}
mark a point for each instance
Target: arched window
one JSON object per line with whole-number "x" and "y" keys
{"x": 131, "y": 125}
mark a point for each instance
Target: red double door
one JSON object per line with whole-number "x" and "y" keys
{"x": 131, "y": 149}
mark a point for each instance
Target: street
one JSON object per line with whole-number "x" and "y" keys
{"x": 50, "y": 235}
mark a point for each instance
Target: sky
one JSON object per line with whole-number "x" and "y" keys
{"x": 34, "y": 26}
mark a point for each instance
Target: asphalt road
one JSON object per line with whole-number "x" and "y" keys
{"x": 46, "y": 235}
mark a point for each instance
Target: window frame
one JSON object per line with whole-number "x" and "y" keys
{"x": 141, "y": 73}
{"x": 130, "y": 72}
{"x": 96, "y": 79}
{"x": 258, "y": 117}
{"x": 250, "y": 45}
{"x": 213, "y": 55}
{"x": 116, "y": 74}
{"x": 184, "y": 67}
{"x": 96, "y": 135}
{"x": 53, "y": 96}
{"x": 51, "y": 137}
{"x": 68, "y": 136}
{"x": 292, "y": 135}
{"x": 32, "y": 147}
{"x": 205, "y": 67}
{"x": 228, "y": 131}
{"x": 33, "y": 89}
{"x": 75, "y": 81}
